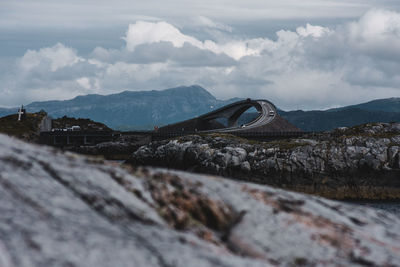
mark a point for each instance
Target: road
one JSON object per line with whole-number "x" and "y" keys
{"x": 265, "y": 108}
{"x": 207, "y": 123}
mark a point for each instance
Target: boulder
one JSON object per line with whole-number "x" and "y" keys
{"x": 64, "y": 209}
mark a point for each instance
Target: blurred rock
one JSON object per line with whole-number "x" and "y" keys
{"x": 62, "y": 209}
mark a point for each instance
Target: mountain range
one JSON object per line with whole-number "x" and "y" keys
{"x": 134, "y": 110}
{"x": 144, "y": 109}
{"x": 328, "y": 120}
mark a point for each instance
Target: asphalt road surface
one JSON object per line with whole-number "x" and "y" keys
{"x": 266, "y": 116}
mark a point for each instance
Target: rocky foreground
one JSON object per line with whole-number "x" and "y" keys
{"x": 63, "y": 209}
{"x": 361, "y": 162}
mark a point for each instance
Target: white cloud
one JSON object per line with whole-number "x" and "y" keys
{"x": 56, "y": 57}
{"x": 205, "y": 21}
{"x": 316, "y": 70}
{"x": 84, "y": 82}
{"x": 310, "y": 30}
{"x": 377, "y": 31}
{"x": 377, "y": 24}
{"x": 142, "y": 33}
{"x": 310, "y": 67}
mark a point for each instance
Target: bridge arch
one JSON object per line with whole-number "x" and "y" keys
{"x": 231, "y": 113}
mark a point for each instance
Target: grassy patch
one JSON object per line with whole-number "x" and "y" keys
{"x": 362, "y": 131}
{"x": 85, "y": 124}
{"x": 27, "y": 129}
{"x": 285, "y": 144}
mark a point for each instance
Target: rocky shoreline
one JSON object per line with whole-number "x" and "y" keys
{"x": 360, "y": 162}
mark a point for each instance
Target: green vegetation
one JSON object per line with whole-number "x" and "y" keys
{"x": 285, "y": 144}
{"x": 331, "y": 119}
{"x": 365, "y": 130}
{"x": 281, "y": 144}
{"x": 28, "y": 129}
{"x": 185, "y": 138}
{"x": 85, "y": 124}
{"x": 225, "y": 136}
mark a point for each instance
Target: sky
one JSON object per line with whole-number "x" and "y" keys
{"x": 313, "y": 54}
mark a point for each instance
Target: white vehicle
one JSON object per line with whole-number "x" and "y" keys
{"x": 75, "y": 128}
{"x": 271, "y": 113}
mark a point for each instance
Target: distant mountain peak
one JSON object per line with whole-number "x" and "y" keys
{"x": 191, "y": 90}
{"x": 143, "y": 109}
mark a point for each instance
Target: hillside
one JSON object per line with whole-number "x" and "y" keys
{"x": 317, "y": 120}
{"x": 143, "y": 109}
{"x": 28, "y": 129}
{"x": 84, "y": 124}
{"x": 387, "y": 105}
{"x": 328, "y": 120}
{"x": 7, "y": 111}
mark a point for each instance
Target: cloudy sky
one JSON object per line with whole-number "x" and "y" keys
{"x": 310, "y": 54}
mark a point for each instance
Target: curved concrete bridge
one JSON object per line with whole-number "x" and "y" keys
{"x": 267, "y": 120}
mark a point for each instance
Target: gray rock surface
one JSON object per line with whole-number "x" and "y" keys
{"x": 358, "y": 162}
{"x": 62, "y": 209}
